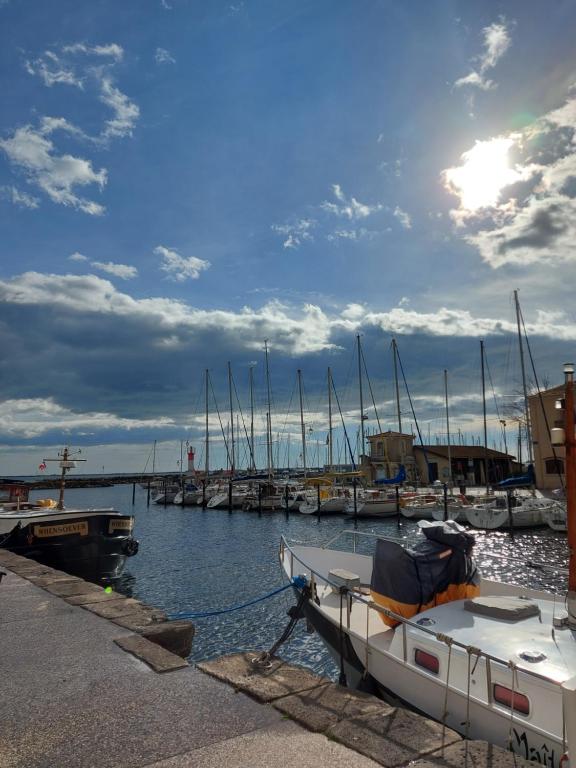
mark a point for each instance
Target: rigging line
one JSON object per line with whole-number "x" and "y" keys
{"x": 370, "y": 389}
{"x": 344, "y": 426}
{"x": 287, "y": 414}
{"x": 411, "y": 404}
{"x": 220, "y": 419}
{"x": 494, "y": 395}
{"x": 491, "y": 384}
{"x": 242, "y": 418}
{"x": 541, "y": 400}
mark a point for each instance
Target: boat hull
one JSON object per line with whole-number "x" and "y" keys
{"x": 92, "y": 545}
{"x": 390, "y": 666}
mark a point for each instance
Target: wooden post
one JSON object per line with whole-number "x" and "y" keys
{"x": 133, "y": 493}
{"x": 445, "y": 489}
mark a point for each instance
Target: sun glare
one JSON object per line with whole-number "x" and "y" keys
{"x": 484, "y": 173}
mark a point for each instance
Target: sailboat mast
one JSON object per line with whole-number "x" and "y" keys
{"x": 524, "y": 387}
{"x": 154, "y": 458}
{"x": 252, "y": 455}
{"x": 395, "y": 357}
{"x": 484, "y": 415}
{"x": 363, "y": 438}
{"x": 232, "y": 456}
{"x": 448, "y": 426}
{"x": 330, "y": 452}
{"x": 269, "y": 415}
{"x": 302, "y": 425}
{"x": 207, "y": 438}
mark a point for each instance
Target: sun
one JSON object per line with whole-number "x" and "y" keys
{"x": 484, "y": 173}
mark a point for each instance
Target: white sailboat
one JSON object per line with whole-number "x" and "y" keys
{"x": 525, "y": 512}
{"x": 498, "y": 666}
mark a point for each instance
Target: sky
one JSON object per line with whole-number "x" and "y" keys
{"x": 183, "y": 180}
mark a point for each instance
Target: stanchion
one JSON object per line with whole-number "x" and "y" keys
{"x": 318, "y": 501}
{"x": 510, "y": 515}
{"x": 397, "y": 506}
{"x": 445, "y": 487}
{"x": 133, "y": 493}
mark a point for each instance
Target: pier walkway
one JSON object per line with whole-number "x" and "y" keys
{"x": 72, "y": 696}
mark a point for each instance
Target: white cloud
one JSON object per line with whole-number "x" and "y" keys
{"x": 126, "y": 112}
{"x": 77, "y": 257}
{"x": 33, "y": 151}
{"x": 523, "y": 212}
{"x": 296, "y": 232}
{"x": 295, "y": 330}
{"x": 351, "y": 208}
{"x": 166, "y": 5}
{"x": 496, "y": 41}
{"x": 21, "y": 199}
{"x": 52, "y": 71}
{"x": 32, "y": 417}
{"x": 124, "y": 271}
{"x": 69, "y": 66}
{"x": 403, "y": 217}
{"x": 162, "y": 56}
{"x": 179, "y": 267}
{"x": 112, "y": 50}
{"x": 56, "y": 175}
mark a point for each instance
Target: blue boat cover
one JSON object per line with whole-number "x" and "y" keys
{"x": 400, "y": 477}
{"x": 519, "y": 480}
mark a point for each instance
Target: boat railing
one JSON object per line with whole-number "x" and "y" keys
{"x": 405, "y": 622}
{"x": 546, "y": 567}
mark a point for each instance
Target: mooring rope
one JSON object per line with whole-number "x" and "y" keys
{"x": 297, "y": 581}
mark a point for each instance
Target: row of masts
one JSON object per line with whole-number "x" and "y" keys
{"x": 233, "y": 437}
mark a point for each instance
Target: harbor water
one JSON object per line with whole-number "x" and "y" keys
{"x": 198, "y": 560}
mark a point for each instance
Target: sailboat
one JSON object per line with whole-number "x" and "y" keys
{"x": 490, "y": 659}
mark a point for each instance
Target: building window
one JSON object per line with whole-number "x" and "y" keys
{"x": 554, "y": 466}
{"x": 379, "y": 449}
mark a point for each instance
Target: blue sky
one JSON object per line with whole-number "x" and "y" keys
{"x": 181, "y": 180}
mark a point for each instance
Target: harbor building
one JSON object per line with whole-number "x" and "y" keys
{"x": 544, "y": 416}
{"x": 428, "y": 463}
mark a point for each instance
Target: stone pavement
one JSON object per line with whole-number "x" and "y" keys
{"x": 94, "y": 680}
{"x": 70, "y": 696}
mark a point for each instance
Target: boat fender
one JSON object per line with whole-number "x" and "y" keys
{"x": 130, "y": 547}
{"x": 300, "y": 581}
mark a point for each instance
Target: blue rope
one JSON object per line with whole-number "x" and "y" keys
{"x": 298, "y": 581}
